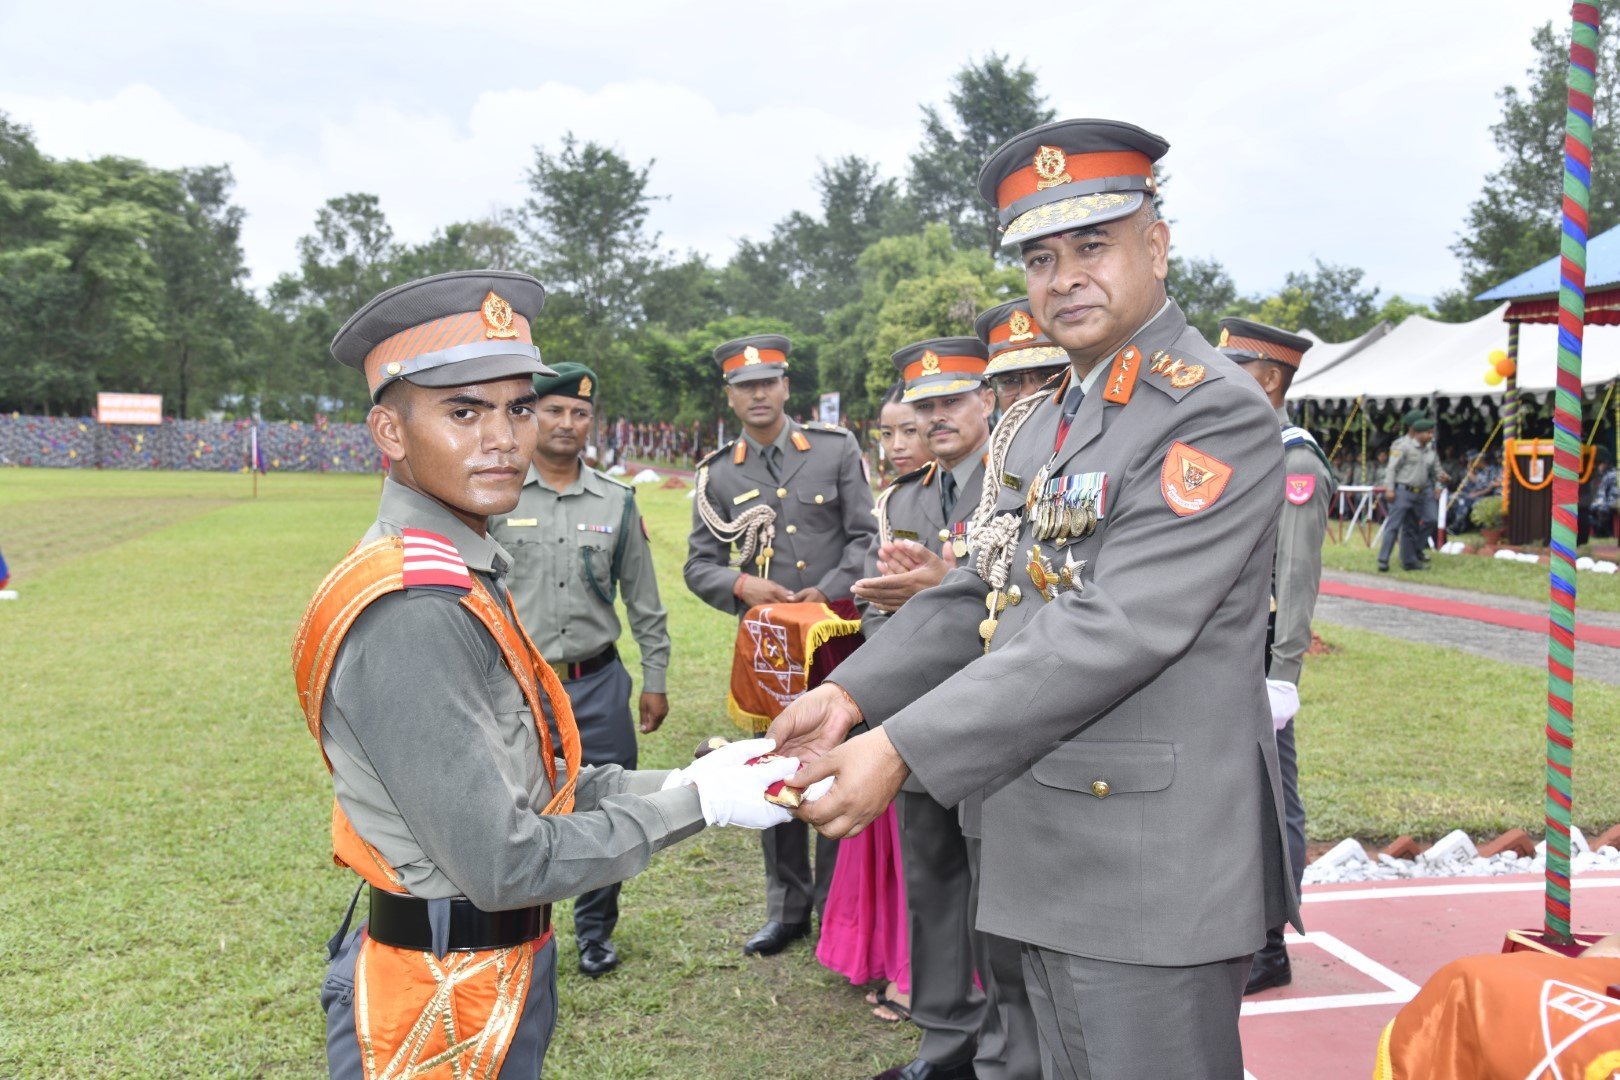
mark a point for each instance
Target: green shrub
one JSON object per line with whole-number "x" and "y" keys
{"x": 1487, "y": 512}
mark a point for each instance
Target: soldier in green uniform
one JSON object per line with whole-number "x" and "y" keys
{"x": 420, "y": 688}
{"x": 576, "y": 539}
{"x": 1273, "y": 357}
{"x": 1022, "y": 357}
{"x": 1409, "y": 480}
{"x": 795, "y": 502}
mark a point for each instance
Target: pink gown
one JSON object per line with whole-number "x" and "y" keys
{"x": 863, "y": 928}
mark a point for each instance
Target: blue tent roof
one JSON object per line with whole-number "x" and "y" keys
{"x": 1602, "y": 268}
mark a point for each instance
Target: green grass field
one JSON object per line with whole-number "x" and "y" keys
{"x": 164, "y": 812}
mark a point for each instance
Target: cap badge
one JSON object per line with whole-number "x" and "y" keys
{"x": 1051, "y": 166}
{"x": 497, "y": 315}
{"x": 1226, "y": 335}
{"x": 584, "y": 386}
{"x": 750, "y": 355}
{"x": 1020, "y": 327}
{"x": 930, "y": 362}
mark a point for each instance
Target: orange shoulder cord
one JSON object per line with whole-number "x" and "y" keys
{"x": 364, "y": 575}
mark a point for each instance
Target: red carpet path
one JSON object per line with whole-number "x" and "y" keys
{"x": 1514, "y": 620}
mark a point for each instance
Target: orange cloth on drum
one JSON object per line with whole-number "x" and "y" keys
{"x": 1520, "y": 1015}
{"x": 416, "y": 1014}
{"x": 774, "y": 656}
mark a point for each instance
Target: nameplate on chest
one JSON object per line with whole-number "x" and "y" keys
{"x": 905, "y": 534}
{"x": 745, "y": 496}
{"x": 522, "y": 523}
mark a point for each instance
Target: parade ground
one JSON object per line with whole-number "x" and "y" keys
{"x": 160, "y": 792}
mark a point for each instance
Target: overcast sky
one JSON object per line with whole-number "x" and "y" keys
{"x": 1357, "y": 134}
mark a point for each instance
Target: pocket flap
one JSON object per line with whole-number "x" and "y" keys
{"x": 1106, "y": 768}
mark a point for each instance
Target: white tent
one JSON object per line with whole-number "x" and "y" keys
{"x": 1324, "y": 356}
{"x": 1421, "y": 357}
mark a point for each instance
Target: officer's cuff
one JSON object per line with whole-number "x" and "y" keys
{"x": 653, "y": 680}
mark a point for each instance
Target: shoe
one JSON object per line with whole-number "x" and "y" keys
{"x": 1415, "y": 569}
{"x": 1383, "y": 568}
{"x": 919, "y": 1069}
{"x": 1271, "y": 967}
{"x": 597, "y": 958}
{"x": 775, "y": 936}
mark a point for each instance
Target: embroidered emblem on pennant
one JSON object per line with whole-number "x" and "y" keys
{"x": 1301, "y": 486}
{"x": 430, "y": 559}
{"x": 1191, "y": 481}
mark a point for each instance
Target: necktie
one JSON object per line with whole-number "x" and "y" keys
{"x": 947, "y": 492}
{"x": 1071, "y": 405}
{"x": 773, "y": 459}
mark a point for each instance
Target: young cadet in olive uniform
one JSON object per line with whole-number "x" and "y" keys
{"x": 423, "y": 692}
{"x": 963, "y": 1030}
{"x": 576, "y": 538}
{"x": 1116, "y": 718}
{"x": 796, "y": 500}
{"x": 1022, "y": 357}
{"x": 1409, "y": 479}
{"x": 1273, "y": 357}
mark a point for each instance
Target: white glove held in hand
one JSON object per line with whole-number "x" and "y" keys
{"x": 735, "y": 794}
{"x": 1284, "y": 702}
{"x": 730, "y": 754}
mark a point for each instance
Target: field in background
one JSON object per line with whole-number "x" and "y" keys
{"x": 164, "y": 812}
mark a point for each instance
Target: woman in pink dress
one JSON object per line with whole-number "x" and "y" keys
{"x": 863, "y": 927}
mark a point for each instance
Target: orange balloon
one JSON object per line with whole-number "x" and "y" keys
{"x": 1493, "y": 377}
{"x": 1505, "y": 367}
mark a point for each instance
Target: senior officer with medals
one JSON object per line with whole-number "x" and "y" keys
{"x": 577, "y": 539}
{"x": 1273, "y": 357}
{"x": 922, "y": 529}
{"x": 1022, "y": 357}
{"x": 457, "y": 808}
{"x": 1115, "y": 719}
{"x": 794, "y": 501}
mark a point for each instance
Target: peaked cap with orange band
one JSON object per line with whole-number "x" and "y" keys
{"x": 468, "y": 326}
{"x": 749, "y": 359}
{"x": 1244, "y": 340}
{"x": 940, "y": 366}
{"x": 1015, "y": 342}
{"x": 1068, "y": 175}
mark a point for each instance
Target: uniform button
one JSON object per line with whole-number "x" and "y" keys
{"x": 944, "y": 535}
{"x": 792, "y": 529}
{"x": 799, "y": 564}
{"x": 819, "y": 499}
{"x": 1100, "y": 788}
{"x": 781, "y": 493}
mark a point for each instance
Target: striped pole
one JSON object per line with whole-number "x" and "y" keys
{"x": 1510, "y": 392}
{"x": 1566, "y": 469}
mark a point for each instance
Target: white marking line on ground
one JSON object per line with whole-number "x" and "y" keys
{"x": 1453, "y": 890}
{"x": 1398, "y": 990}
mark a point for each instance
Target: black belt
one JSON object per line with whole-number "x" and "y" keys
{"x": 402, "y": 921}
{"x": 1414, "y": 489}
{"x": 590, "y": 665}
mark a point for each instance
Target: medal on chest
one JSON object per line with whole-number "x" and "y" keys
{"x": 1066, "y": 508}
{"x": 959, "y": 539}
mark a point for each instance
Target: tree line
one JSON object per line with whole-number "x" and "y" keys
{"x": 116, "y": 275}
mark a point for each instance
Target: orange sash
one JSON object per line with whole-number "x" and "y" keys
{"x": 770, "y": 664}
{"x": 416, "y": 1014}
{"x": 1514, "y": 1016}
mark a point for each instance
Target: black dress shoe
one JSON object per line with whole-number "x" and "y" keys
{"x": 1271, "y": 966}
{"x": 918, "y": 1069}
{"x": 775, "y": 936}
{"x": 597, "y": 958}
{"x": 1383, "y": 568}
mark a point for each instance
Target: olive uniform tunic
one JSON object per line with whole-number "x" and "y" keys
{"x": 1411, "y": 473}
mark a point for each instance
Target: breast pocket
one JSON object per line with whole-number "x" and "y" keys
{"x": 1104, "y": 769}
{"x": 596, "y": 565}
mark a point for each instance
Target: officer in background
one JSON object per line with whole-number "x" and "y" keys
{"x": 1022, "y": 357}
{"x": 465, "y": 816}
{"x": 1409, "y": 479}
{"x": 1273, "y": 357}
{"x": 576, "y": 539}
{"x": 794, "y": 501}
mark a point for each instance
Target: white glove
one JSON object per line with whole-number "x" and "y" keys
{"x": 1284, "y": 702}
{"x": 822, "y": 786}
{"x": 730, "y": 754}
{"x": 735, "y": 794}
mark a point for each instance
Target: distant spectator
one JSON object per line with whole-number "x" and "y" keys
{"x": 1486, "y": 480}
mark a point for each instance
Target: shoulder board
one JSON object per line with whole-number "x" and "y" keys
{"x": 1293, "y": 436}
{"x": 615, "y": 481}
{"x": 716, "y": 453}
{"x": 432, "y": 561}
{"x": 925, "y": 474}
{"x": 827, "y": 429}
{"x": 1175, "y": 375}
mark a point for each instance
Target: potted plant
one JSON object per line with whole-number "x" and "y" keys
{"x": 1487, "y": 514}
